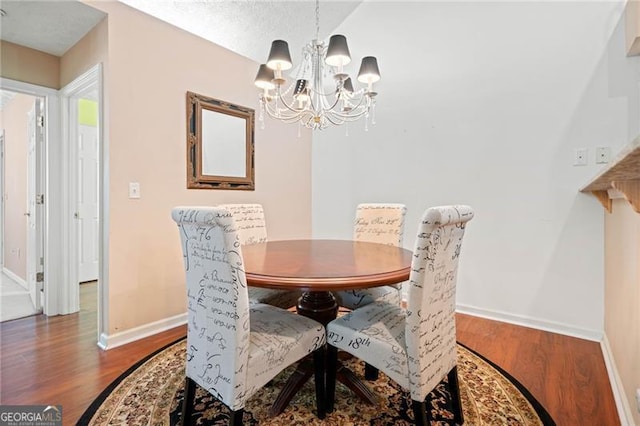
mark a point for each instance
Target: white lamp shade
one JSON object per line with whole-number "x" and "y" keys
{"x": 369, "y": 72}
{"x": 279, "y": 57}
{"x": 338, "y": 51}
{"x": 264, "y": 78}
{"x": 348, "y": 85}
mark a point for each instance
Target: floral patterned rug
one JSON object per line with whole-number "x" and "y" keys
{"x": 150, "y": 393}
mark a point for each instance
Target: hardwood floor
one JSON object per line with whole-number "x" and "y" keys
{"x": 56, "y": 361}
{"x": 567, "y": 375}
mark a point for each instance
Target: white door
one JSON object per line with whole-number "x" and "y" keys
{"x": 87, "y": 202}
{"x": 34, "y": 211}
{"x": 2, "y": 169}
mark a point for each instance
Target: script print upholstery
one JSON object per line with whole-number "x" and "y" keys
{"x": 232, "y": 349}
{"x": 381, "y": 223}
{"x": 252, "y": 229}
{"x": 415, "y": 347}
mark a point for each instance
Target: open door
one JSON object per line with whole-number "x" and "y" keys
{"x": 87, "y": 143}
{"x": 35, "y": 201}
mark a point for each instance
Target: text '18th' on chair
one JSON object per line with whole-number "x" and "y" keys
{"x": 381, "y": 223}
{"x": 234, "y": 349}
{"x": 252, "y": 229}
{"x": 415, "y": 347}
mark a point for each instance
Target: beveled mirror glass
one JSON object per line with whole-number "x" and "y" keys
{"x": 220, "y": 145}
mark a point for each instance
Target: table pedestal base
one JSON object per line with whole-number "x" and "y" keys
{"x": 318, "y": 305}
{"x": 304, "y": 373}
{"x": 322, "y": 307}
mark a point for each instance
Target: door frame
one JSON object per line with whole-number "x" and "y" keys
{"x": 2, "y": 180}
{"x": 88, "y": 82}
{"x": 53, "y": 249}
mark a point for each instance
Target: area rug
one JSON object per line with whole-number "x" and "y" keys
{"x": 151, "y": 393}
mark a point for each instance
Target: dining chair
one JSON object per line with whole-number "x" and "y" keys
{"x": 252, "y": 229}
{"x": 381, "y": 223}
{"x": 233, "y": 348}
{"x": 416, "y": 346}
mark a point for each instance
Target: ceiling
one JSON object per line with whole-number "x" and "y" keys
{"x": 49, "y": 26}
{"x": 245, "y": 27}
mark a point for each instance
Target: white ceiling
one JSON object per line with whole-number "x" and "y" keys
{"x": 49, "y": 26}
{"x": 243, "y": 26}
{"x": 248, "y": 27}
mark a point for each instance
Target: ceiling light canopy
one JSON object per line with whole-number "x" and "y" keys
{"x": 306, "y": 99}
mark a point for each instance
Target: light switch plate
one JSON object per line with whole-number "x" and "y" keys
{"x": 603, "y": 154}
{"x": 580, "y": 158}
{"x": 134, "y": 190}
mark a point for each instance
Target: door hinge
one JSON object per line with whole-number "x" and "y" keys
{"x": 40, "y": 199}
{"x": 39, "y": 277}
{"x": 41, "y": 121}
{"x": 42, "y": 261}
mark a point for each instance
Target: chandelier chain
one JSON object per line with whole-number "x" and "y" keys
{"x": 317, "y": 19}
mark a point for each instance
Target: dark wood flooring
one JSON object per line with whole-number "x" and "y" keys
{"x": 56, "y": 361}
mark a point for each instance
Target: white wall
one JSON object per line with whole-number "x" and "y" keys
{"x": 484, "y": 104}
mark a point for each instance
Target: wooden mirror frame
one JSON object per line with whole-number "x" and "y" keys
{"x": 195, "y": 178}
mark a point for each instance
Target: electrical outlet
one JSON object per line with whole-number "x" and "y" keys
{"x": 603, "y": 154}
{"x": 134, "y": 190}
{"x": 580, "y": 158}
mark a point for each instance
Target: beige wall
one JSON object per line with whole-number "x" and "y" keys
{"x": 622, "y": 295}
{"x": 13, "y": 119}
{"x": 28, "y": 65}
{"x": 632, "y": 27}
{"x": 149, "y": 72}
{"x": 92, "y": 49}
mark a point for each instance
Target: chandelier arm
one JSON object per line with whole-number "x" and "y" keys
{"x": 287, "y": 106}
{"x": 363, "y": 102}
{"x": 284, "y": 119}
{"x": 349, "y": 117}
{"x": 291, "y": 117}
{"x": 277, "y": 113}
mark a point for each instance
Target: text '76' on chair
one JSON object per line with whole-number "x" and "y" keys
{"x": 234, "y": 349}
{"x": 415, "y": 347}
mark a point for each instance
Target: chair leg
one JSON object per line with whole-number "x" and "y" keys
{"x": 187, "y": 403}
{"x": 235, "y": 418}
{"x": 319, "y": 363}
{"x": 332, "y": 365}
{"x": 420, "y": 413}
{"x": 456, "y": 402}
{"x": 370, "y": 372}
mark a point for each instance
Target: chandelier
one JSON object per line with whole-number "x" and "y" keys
{"x": 308, "y": 100}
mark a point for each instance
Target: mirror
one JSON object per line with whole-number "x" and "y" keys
{"x": 219, "y": 144}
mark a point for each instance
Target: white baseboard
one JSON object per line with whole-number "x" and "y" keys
{"x": 107, "y": 341}
{"x": 553, "y": 327}
{"x": 619, "y": 395}
{"x": 15, "y": 278}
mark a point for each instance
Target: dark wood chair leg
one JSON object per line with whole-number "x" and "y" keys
{"x": 420, "y": 414}
{"x": 319, "y": 363}
{"x": 370, "y": 372}
{"x": 187, "y": 403}
{"x": 456, "y": 402}
{"x": 235, "y": 418}
{"x": 332, "y": 365}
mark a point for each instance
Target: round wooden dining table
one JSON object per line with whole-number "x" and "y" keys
{"x": 318, "y": 267}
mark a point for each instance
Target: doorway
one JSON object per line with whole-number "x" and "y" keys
{"x": 22, "y": 139}
{"x": 85, "y": 229}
